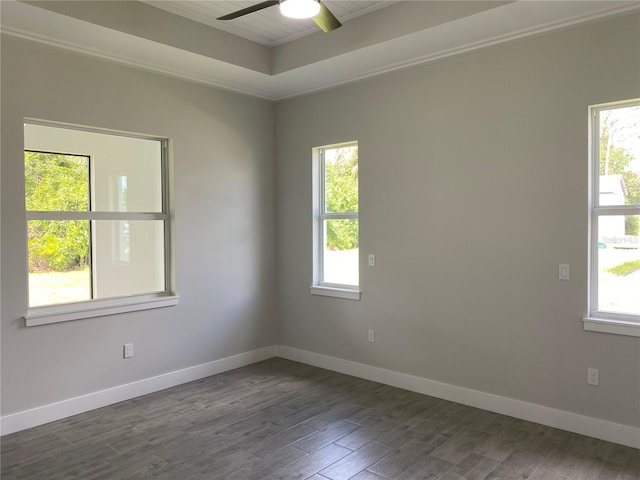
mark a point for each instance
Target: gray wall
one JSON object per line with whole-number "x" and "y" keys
{"x": 473, "y": 188}
{"x": 224, "y": 199}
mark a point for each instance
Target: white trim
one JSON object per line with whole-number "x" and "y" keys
{"x": 73, "y": 406}
{"x": 109, "y": 45}
{"x": 48, "y": 314}
{"x": 518, "y": 11}
{"x": 512, "y": 21}
{"x": 335, "y": 292}
{"x": 572, "y": 422}
{"x": 617, "y": 209}
{"x": 320, "y": 287}
{"x": 618, "y": 327}
{"x": 96, "y": 308}
{"x": 601, "y": 320}
{"x": 94, "y": 215}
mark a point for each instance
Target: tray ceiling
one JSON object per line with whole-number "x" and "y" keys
{"x": 266, "y": 27}
{"x": 400, "y": 35}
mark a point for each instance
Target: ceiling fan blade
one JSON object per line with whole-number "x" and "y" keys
{"x": 325, "y": 19}
{"x": 251, "y": 9}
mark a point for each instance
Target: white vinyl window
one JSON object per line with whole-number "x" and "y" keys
{"x": 335, "y": 222}
{"x": 615, "y": 219}
{"x": 98, "y": 232}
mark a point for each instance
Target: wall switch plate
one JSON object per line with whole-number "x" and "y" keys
{"x": 593, "y": 376}
{"x": 127, "y": 350}
{"x": 564, "y": 272}
{"x": 372, "y": 336}
{"x": 372, "y": 260}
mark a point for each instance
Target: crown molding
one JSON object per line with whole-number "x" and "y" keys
{"x": 498, "y": 25}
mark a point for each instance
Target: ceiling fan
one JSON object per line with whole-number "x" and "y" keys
{"x": 314, "y": 9}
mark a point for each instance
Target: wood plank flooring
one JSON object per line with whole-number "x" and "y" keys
{"x": 281, "y": 420}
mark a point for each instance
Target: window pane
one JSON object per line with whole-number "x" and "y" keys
{"x": 129, "y": 178}
{"x": 101, "y": 175}
{"x": 340, "y": 252}
{"x": 56, "y": 182}
{"x": 59, "y": 265}
{"x": 619, "y": 156}
{"x": 619, "y": 264}
{"x": 128, "y": 257}
{"x": 341, "y": 179}
{"x": 126, "y": 172}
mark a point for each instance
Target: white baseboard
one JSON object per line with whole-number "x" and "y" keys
{"x": 72, "y": 406}
{"x": 572, "y": 422}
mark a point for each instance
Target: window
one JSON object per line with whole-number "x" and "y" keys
{"x": 615, "y": 219}
{"x": 98, "y": 233}
{"x": 336, "y": 227}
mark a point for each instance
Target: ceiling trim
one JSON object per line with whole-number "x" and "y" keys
{"x": 60, "y": 31}
{"x": 509, "y": 22}
{"x": 465, "y": 35}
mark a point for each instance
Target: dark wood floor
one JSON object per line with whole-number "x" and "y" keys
{"x": 284, "y": 420}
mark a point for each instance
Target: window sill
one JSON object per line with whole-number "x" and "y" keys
{"x": 335, "y": 292}
{"x": 96, "y": 308}
{"x": 618, "y": 327}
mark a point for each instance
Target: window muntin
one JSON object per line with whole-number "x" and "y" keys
{"x": 337, "y": 227}
{"x": 97, "y": 221}
{"x": 615, "y": 212}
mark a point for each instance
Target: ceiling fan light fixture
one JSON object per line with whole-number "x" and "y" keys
{"x": 299, "y": 8}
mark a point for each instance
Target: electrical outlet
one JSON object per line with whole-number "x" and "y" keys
{"x": 372, "y": 336}
{"x": 593, "y": 376}
{"x": 127, "y": 350}
{"x": 372, "y": 260}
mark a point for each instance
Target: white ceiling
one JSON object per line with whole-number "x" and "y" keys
{"x": 400, "y": 35}
{"x": 266, "y": 27}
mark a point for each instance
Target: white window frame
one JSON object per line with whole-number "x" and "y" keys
{"x": 319, "y": 286}
{"x": 47, "y": 314}
{"x": 602, "y": 320}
